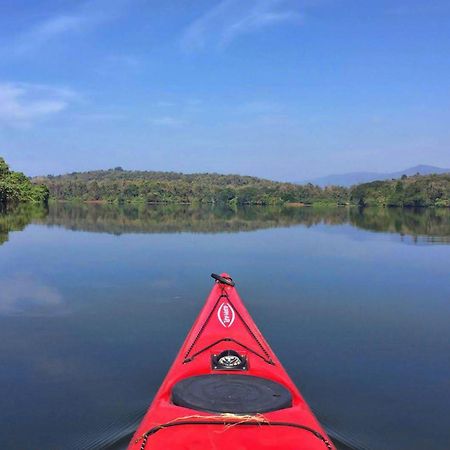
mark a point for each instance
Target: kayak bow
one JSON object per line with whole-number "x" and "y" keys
{"x": 227, "y": 390}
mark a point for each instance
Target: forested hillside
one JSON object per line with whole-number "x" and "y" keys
{"x": 170, "y": 187}
{"x": 415, "y": 191}
{"x": 15, "y": 188}
{"x": 118, "y": 185}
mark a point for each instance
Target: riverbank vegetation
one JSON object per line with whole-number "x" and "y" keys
{"x": 16, "y": 188}
{"x": 415, "y": 191}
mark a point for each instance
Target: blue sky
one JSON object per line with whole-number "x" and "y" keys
{"x": 283, "y": 89}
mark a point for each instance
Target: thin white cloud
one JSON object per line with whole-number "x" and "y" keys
{"x": 230, "y": 19}
{"x": 124, "y": 60}
{"x": 257, "y": 20}
{"x": 186, "y": 105}
{"x": 167, "y": 121}
{"x": 422, "y": 8}
{"x": 164, "y": 104}
{"x": 101, "y": 116}
{"x": 85, "y": 16}
{"x": 49, "y": 29}
{"x": 21, "y": 104}
{"x": 119, "y": 65}
{"x": 258, "y": 107}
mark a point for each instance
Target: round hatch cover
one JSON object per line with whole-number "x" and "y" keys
{"x": 229, "y": 393}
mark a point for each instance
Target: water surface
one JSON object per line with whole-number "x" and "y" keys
{"x": 95, "y": 301}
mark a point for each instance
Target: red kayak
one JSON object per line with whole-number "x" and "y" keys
{"x": 227, "y": 389}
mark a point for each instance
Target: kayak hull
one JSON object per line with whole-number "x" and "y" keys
{"x": 227, "y": 390}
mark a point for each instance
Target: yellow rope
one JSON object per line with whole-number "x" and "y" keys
{"x": 240, "y": 419}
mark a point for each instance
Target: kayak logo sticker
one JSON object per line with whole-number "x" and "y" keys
{"x": 226, "y": 315}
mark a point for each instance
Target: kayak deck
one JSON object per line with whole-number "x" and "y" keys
{"x": 227, "y": 389}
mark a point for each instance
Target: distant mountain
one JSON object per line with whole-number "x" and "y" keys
{"x": 349, "y": 179}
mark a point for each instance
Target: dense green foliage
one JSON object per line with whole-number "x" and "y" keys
{"x": 15, "y": 187}
{"x": 416, "y": 191}
{"x": 118, "y": 185}
{"x": 169, "y": 187}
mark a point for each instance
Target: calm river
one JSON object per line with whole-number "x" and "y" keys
{"x": 95, "y": 301}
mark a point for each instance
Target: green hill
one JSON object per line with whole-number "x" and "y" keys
{"x": 123, "y": 186}
{"x": 118, "y": 185}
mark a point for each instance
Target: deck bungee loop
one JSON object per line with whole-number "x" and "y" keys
{"x": 225, "y": 295}
{"x": 229, "y": 423}
{"x": 227, "y": 389}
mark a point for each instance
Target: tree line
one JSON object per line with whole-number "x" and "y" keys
{"x": 118, "y": 185}
{"x": 415, "y": 191}
{"x": 126, "y": 186}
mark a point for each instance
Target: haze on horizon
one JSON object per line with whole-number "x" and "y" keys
{"x": 281, "y": 89}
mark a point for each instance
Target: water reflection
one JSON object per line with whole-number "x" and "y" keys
{"x": 357, "y": 317}
{"x": 429, "y": 225}
{"x": 184, "y": 218}
{"x": 24, "y": 294}
{"x": 422, "y": 224}
{"x": 16, "y": 219}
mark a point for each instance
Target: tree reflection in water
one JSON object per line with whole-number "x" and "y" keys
{"x": 429, "y": 224}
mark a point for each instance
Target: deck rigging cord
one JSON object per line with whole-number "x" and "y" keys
{"x": 224, "y": 294}
{"x": 226, "y": 420}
